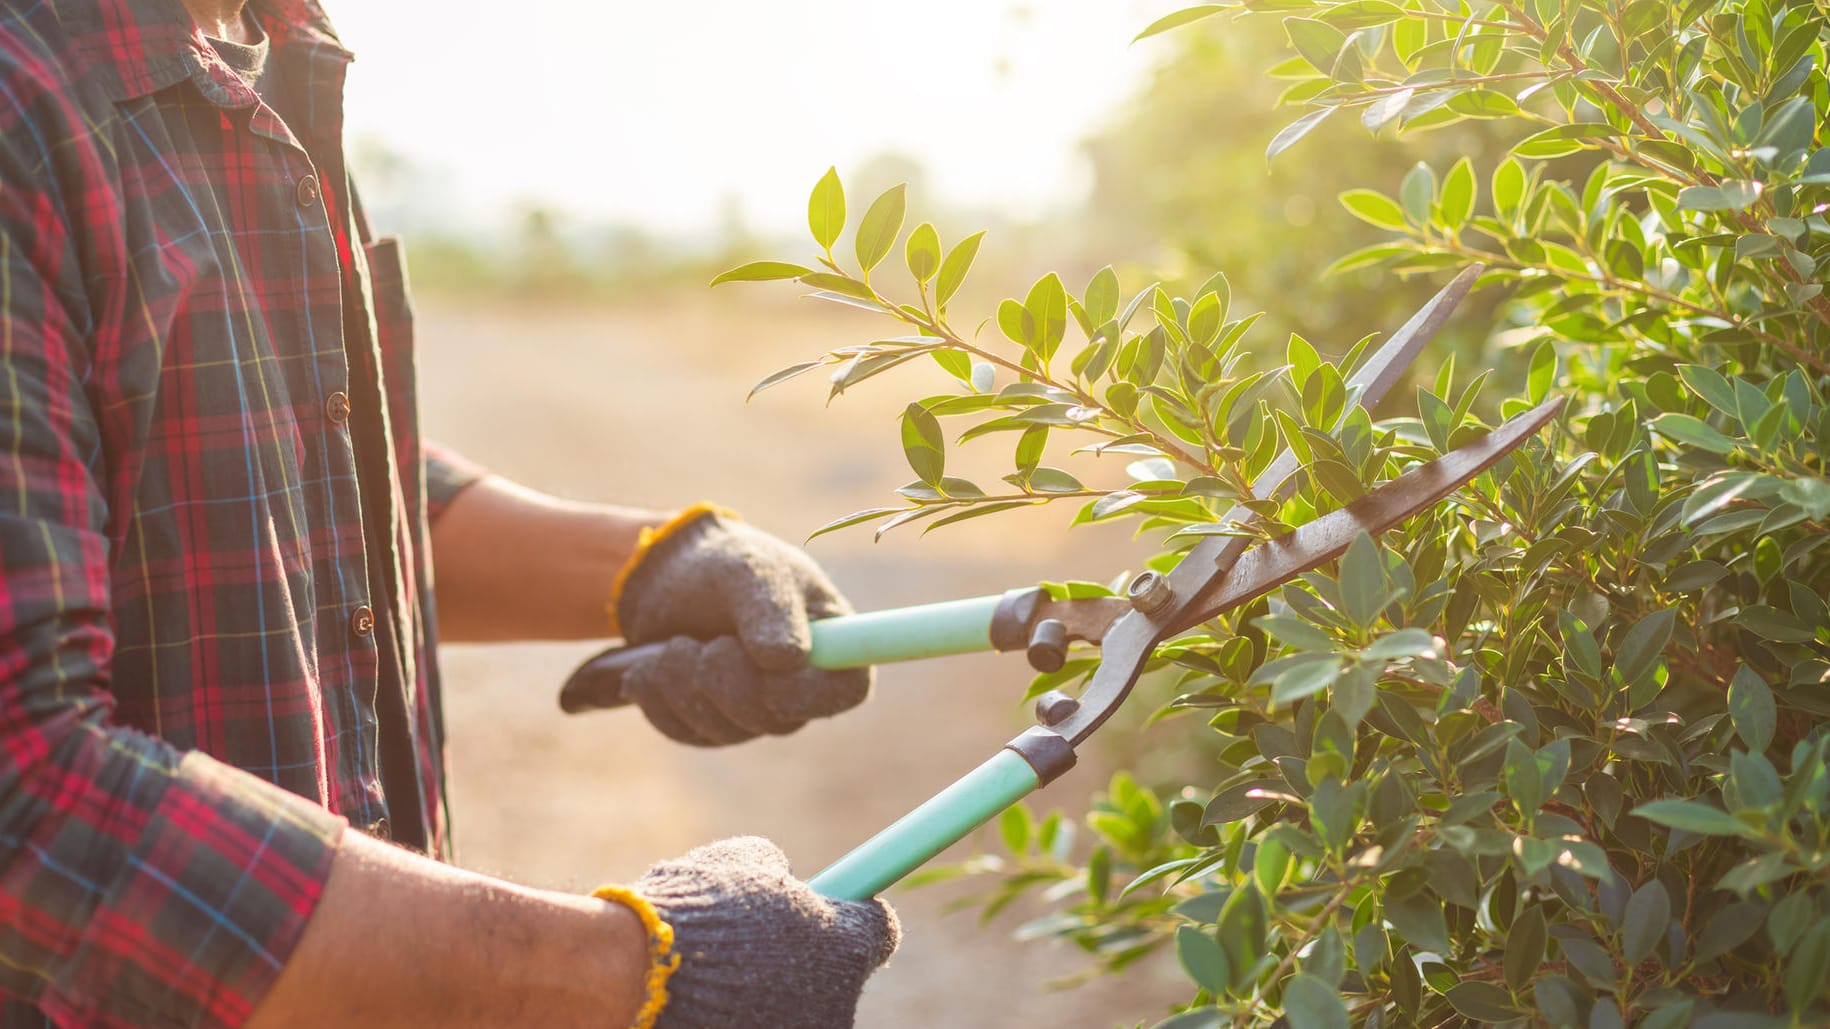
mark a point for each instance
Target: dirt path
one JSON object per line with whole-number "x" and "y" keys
{"x": 645, "y": 406}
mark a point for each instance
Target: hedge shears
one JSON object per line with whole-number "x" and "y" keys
{"x": 1222, "y": 572}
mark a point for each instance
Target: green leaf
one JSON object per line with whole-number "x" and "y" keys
{"x": 1808, "y": 969}
{"x": 1101, "y": 301}
{"x": 1770, "y": 623}
{"x": 1375, "y": 209}
{"x": 1543, "y": 371}
{"x": 1525, "y": 947}
{"x": 1727, "y": 929}
{"x": 1242, "y": 927}
{"x": 844, "y": 285}
{"x": 1709, "y": 384}
{"x": 855, "y": 518}
{"x": 881, "y": 225}
{"x": 953, "y": 270}
{"x": 1288, "y": 135}
{"x": 1579, "y": 647}
{"x": 1054, "y": 480}
{"x": 1750, "y": 705}
{"x": 1199, "y": 1018}
{"x": 1728, "y": 195}
{"x": 1400, "y": 644}
{"x": 1363, "y": 589}
{"x": 1458, "y": 195}
{"x": 1305, "y": 678}
{"x": 783, "y": 376}
{"x": 1203, "y": 960}
{"x": 1317, "y": 41}
{"x": 977, "y": 511}
{"x": 1524, "y": 782}
{"x": 1508, "y": 187}
{"x": 1810, "y": 495}
{"x": 1482, "y": 1002}
{"x": 1643, "y": 925}
{"x": 1691, "y": 816}
{"x": 1015, "y": 825}
{"x": 923, "y": 252}
{"x": 1419, "y": 919}
{"x": 1418, "y": 193}
{"x": 1029, "y": 448}
{"x": 1270, "y": 865}
{"x": 1640, "y": 650}
{"x": 1310, "y": 1003}
{"x": 1047, "y": 307}
{"x": 1682, "y": 428}
{"x": 923, "y": 444}
{"x": 1295, "y": 632}
{"x": 1018, "y": 325}
{"x": 1179, "y": 18}
{"x": 826, "y": 210}
{"x": 761, "y": 271}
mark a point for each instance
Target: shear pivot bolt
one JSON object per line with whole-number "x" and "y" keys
{"x": 1149, "y": 592}
{"x": 1055, "y": 707}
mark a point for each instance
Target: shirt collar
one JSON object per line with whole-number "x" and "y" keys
{"x": 138, "y": 47}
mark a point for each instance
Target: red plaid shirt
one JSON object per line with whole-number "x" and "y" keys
{"x": 215, "y": 626}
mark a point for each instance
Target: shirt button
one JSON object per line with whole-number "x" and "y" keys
{"x": 336, "y": 408}
{"x": 362, "y": 621}
{"x": 307, "y": 192}
{"x": 381, "y": 830}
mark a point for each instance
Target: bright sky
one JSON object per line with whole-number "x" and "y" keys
{"x": 657, "y": 113}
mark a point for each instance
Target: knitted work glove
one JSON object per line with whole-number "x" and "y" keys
{"x": 736, "y": 940}
{"x": 732, "y": 604}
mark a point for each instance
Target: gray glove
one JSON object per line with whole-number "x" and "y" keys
{"x": 757, "y": 947}
{"x": 732, "y": 604}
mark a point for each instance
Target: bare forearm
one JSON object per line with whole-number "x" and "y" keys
{"x": 401, "y": 940}
{"x": 514, "y": 564}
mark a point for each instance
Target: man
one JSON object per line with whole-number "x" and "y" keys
{"x": 218, "y": 528}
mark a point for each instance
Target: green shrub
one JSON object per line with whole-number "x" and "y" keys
{"x": 1554, "y": 752}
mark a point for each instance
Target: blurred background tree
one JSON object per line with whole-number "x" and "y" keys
{"x": 1181, "y": 187}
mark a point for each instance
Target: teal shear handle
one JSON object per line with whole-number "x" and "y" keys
{"x": 848, "y": 641}
{"x": 943, "y": 820}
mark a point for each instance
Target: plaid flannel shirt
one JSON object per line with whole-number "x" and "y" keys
{"x": 215, "y": 625}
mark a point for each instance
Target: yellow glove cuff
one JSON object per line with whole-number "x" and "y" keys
{"x": 651, "y": 535}
{"x": 661, "y": 957}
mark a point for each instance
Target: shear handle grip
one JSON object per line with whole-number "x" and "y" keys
{"x": 943, "y": 820}
{"x": 847, "y": 641}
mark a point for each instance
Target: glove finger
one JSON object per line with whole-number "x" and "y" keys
{"x": 749, "y": 854}
{"x": 822, "y": 600}
{"x": 873, "y": 926}
{"x": 670, "y": 697}
{"x": 767, "y": 610}
{"x": 735, "y": 687}
{"x": 818, "y": 588}
{"x": 816, "y": 693}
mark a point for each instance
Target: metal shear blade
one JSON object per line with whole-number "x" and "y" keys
{"x": 1202, "y": 588}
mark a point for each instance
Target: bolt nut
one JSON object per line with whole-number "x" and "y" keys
{"x": 1055, "y": 707}
{"x": 1150, "y": 592}
{"x": 1047, "y": 650}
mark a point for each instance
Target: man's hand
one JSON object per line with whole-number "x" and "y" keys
{"x": 757, "y": 946}
{"x": 732, "y": 605}
{"x": 400, "y": 940}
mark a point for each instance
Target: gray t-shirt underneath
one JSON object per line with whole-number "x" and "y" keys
{"x": 249, "y": 62}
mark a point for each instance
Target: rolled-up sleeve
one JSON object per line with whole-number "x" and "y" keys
{"x": 447, "y": 475}
{"x": 138, "y": 884}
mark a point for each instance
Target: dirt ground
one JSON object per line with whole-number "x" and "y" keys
{"x": 645, "y": 405}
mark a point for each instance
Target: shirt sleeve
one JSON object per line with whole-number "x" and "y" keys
{"x": 447, "y": 475}
{"x": 138, "y": 884}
